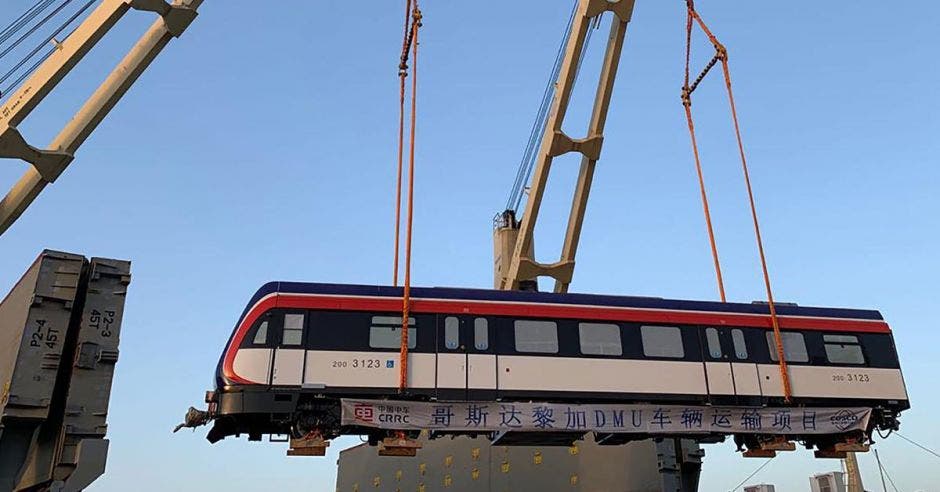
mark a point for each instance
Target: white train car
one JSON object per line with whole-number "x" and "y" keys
{"x": 299, "y": 347}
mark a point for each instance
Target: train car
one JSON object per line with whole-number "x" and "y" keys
{"x": 299, "y": 347}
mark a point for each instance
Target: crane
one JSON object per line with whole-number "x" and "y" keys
{"x": 47, "y": 164}
{"x": 66, "y": 450}
{"x": 516, "y": 266}
{"x": 514, "y": 252}
{"x": 515, "y": 263}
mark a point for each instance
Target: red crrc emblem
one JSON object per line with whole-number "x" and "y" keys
{"x": 363, "y": 412}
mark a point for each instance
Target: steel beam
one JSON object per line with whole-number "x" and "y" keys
{"x": 522, "y": 266}
{"x": 679, "y": 460}
{"x": 47, "y": 164}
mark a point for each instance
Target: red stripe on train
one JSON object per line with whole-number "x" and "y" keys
{"x": 495, "y": 308}
{"x": 257, "y": 310}
{"x": 439, "y": 306}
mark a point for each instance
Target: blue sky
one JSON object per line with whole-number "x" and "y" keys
{"x": 261, "y": 146}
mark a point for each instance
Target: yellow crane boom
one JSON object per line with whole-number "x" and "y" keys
{"x": 515, "y": 266}
{"x": 46, "y": 164}
{"x": 515, "y": 263}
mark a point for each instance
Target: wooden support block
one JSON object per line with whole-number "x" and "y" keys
{"x": 307, "y": 452}
{"x": 779, "y": 445}
{"x": 759, "y": 453}
{"x": 313, "y": 446}
{"x": 851, "y": 447}
{"x": 828, "y": 453}
{"x": 399, "y": 446}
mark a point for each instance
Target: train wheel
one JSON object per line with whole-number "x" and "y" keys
{"x": 307, "y": 423}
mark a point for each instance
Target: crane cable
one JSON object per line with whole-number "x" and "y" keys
{"x": 24, "y": 19}
{"x": 527, "y": 162}
{"x": 721, "y": 54}
{"x": 50, "y": 39}
{"x": 755, "y": 472}
{"x": 414, "y": 15}
{"x": 884, "y": 473}
{"x": 922, "y": 447}
{"x": 530, "y": 155}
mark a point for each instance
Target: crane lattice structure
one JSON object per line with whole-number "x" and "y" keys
{"x": 515, "y": 264}
{"x": 48, "y": 163}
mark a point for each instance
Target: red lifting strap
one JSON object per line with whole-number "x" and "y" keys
{"x": 402, "y": 74}
{"x": 721, "y": 54}
{"x": 413, "y": 19}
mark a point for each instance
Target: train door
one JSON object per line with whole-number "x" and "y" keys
{"x": 452, "y": 357}
{"x": 746, "y": 379}
{"x": 466, "y": 358}
{"x": 288, "y": 366}
{"x": 481, "y": 359}
{"x": 729, "y": 372}
{"x": 716, "y": 348}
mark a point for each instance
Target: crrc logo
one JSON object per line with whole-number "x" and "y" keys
{"x": 844, "y": 419}
{"x": 364, "y": 412}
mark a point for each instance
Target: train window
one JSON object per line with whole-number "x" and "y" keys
{"x": 714, "y": 343}
{"x": 451, "y": 332}
{"x": 843, "y": 349}
{"x": 293, "y": 329}
{"x": 261, "y": 336}
{"x": 481, "y": 334}
{"x": 385, "y": 332}
{"x": 536, "y": 336}
{"x": 662, "y": 341}
{"x": 740, "y": 348}
{"x": 794, "y": 347}
{"x": 600, "y": 339}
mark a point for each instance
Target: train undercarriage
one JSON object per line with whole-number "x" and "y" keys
{"x": 310, "y": 420}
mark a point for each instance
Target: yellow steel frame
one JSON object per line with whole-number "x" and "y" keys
{"x": 515, "y": 262}
{"x": 48, "y": 163}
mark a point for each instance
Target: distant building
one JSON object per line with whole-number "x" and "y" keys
{"x": 764, "y": 487}
{"x": 828, "y": 482}
{"x": 466, "y": 464}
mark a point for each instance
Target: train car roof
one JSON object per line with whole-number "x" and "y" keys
{"x": 783, "y": 309}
